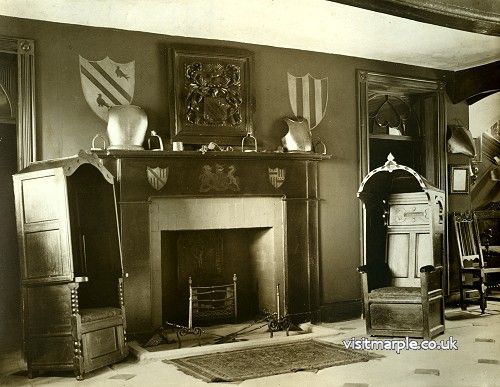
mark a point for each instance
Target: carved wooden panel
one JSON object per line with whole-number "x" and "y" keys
{"x": 100, "y": 342}
{"x": 212, "y": 94}
{"x": 414, "y": 214}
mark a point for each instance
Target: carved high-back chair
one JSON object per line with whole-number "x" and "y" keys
{"x": 477, "y": 278}
{"x": 71, "y": 266}
{"x": 402, "y": 279}
{"x": 213, "y": 303}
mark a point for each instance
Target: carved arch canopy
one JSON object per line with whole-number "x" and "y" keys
{"x": 26, "y": 123}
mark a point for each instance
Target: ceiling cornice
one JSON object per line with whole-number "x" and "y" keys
{"x": 481, "y": 17}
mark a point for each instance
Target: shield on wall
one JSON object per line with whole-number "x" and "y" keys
{"x": 276, "y": 176}
{"x": 106, "y": 83}
{"x": 308, "y": 97}
{"x": 157, "y": 177}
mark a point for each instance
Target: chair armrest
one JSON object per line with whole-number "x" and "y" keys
{"x": 431, "y": 278}
{"x": 427, "y": 269}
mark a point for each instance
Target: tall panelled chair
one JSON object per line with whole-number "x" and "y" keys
{"x": 402, "y": 278}
{"x": 71, "y": 266}
{"x": 477, "y": 276}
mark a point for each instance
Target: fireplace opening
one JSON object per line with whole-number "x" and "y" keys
{"x": 211, "y": 257}
{"x": 210, "y": 239}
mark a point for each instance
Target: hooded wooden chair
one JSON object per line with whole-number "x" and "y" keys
{"x": 402, "y": 279}
{"x": 71, "y": 265}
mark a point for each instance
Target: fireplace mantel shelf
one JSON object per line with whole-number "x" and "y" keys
{"x": 212, "y": 155}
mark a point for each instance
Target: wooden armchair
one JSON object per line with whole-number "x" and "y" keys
{"x": 477, "y": 277}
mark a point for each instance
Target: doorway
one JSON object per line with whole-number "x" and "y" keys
{"x": 10, "y": 293}
{"x": 17, "y": 150}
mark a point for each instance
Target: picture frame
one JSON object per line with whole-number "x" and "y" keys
{"x": 459, "y": 179}
{"x": 211, "y": 94}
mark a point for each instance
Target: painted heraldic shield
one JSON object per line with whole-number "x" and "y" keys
{"x": 106, "y": 83}
{"x": 157, "y": 177}
{"x": 308, "y": 97}
{"x": 276, "y": 176}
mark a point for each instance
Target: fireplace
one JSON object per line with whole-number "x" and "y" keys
{"x": 257, "y": 213}
{"x": 209, "y": 239}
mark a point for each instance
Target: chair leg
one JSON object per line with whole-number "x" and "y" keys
{"x": 483, "y": 303}
{"x": 463, "y": 305}
{"x": 482, "y": 294}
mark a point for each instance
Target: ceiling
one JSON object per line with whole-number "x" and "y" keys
{"x": 314, "y": 25}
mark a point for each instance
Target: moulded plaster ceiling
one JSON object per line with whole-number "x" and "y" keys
{"x": 314, "y": 25}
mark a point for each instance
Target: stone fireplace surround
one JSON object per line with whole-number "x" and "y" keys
{"x": 219, "y": 190}
{"x": 176, "y": 214}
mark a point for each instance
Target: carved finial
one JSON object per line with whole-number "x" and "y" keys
{"x": 390, "y": 163}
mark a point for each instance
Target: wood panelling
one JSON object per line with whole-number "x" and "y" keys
{"x": 43, "y": 254}
{"x": 40, "y": 207}
{"x": 54, "y": 303}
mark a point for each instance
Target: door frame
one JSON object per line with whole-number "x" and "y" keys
{"x": 26, "y": 119}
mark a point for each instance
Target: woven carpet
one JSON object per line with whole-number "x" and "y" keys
{"x": 249, "y": 363}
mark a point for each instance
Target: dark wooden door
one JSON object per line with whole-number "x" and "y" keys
{"x": 10, "y": 293}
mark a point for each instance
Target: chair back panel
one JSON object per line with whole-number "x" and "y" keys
{"x": 398, "y": 255}
{"x": 468, "y": 241}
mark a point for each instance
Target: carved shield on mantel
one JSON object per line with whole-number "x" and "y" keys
{"x": 157, "y": 177}
{"x": 277, "y": 176}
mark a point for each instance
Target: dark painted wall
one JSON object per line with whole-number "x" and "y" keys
{"x": 66, "y": 124}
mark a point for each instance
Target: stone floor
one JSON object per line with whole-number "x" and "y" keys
{"x": 475, "y": 363}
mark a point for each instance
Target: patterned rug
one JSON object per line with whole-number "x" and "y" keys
{"x": 249, "y": 363}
